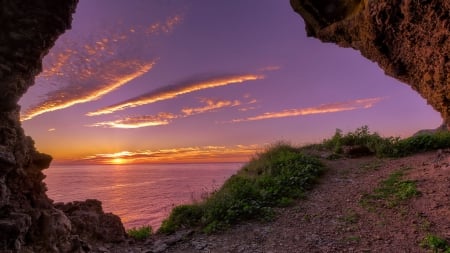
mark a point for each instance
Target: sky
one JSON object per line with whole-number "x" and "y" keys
{"x": 165, "y": 81}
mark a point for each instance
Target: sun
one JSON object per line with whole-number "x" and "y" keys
{"x": 118, "y": 161}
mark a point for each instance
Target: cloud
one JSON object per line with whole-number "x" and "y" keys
{"x": 324, "y": 108}
{"x": 176, "y": 90}
{"x": 139, "y": 121}
{"x": 86, "y": 68}
{"x": 51, "y": 129}
{"x": 211, "y": 105}
{"x": 177, "y": 155}
{"x": 164, "y": 118}
{"x": 95, "y": 85}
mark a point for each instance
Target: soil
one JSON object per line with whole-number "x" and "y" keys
{"x": 332, "y": 218}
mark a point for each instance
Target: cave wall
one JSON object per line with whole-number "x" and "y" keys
{"x": 409, "y": 39}
{"x": 28, "y": 220}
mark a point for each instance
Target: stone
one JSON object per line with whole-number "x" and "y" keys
{"x": 410, "y": 40}
{"x": 91, "y": 223}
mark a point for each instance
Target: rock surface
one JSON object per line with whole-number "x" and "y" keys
{"x": 409, "y": 39}
{"x": 28, "y": 220}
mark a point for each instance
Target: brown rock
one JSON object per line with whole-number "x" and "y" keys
{"x": 91, "y": 223}
{"x": 410, "y": 40}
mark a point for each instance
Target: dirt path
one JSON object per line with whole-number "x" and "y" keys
{"x": 332, "y": 219}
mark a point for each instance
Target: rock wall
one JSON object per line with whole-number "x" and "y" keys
{"x": 409, "y": 39}
{"x": 28, "y": 220}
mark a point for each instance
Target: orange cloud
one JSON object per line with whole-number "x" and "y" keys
{"x": 165, "y": 27}
{"x": 173, "y": 91}
{"x": 211, "y": 105}
{"x": 325, "y": 108}
{"x": 164, "y": 118}
{"x": 237, "y": 153}
{"x": 94, "y": 85}
{"x": 138, "y": 122}
{"x": 81, "y": 72}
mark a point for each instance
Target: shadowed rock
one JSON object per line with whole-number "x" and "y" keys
{"x": 28, "y": 220}
{"x": 408, "y": 39}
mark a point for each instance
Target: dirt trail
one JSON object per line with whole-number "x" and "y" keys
{"x": 332, "y": 219}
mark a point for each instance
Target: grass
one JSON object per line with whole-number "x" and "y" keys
{"x": 274, "y": 178}
{"x": 435, "y": 244}
{"x": 140, "y": 233}
{"x": 385, "y": 146}
{"x": 283, "y": 173}
{"x": 391, "y": 192}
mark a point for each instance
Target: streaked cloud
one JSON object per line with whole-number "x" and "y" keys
{"x": 164, "y": 118}
{"x": 51, "y": 129}
{"x": 165, "y": 27}
{"x": 139, "y": 121}
{"x": 102, "y": 82}
{"x": 211, "y": 105}
{"x": 86, "y": 69}
{"x": 324, "y": 108}
{"x": 236, "y": 153}
{"x": 176, "y": 90}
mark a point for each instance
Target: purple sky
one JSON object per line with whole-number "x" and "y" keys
{"x": 191, "y": 81}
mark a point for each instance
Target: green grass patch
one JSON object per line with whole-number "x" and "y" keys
{"x": 140, "y": 233}
{"x": 274, "y": 178}
{"x": 391, "y": 192}
{"x": 386, "y": 146}
{"x": 435, "y": 244}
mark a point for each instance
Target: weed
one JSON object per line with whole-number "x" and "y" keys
{"x": 391, "y": 192}
{"x": 140, "y": 233}
{"x": 435, "y": 243}
{"x": 351, "y": 217}
{"x": 386, "y": 147}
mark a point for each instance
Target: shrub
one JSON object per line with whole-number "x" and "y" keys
{"x": 435, "y": 243}
{"x": 140, "y": 233}
{"x": 391, "y": 192}
{"x": 387, "y": 147}
{"x": 273, "y": 178}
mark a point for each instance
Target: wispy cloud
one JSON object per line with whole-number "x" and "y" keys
{"x": 86, "y": 69}
{"x": 164, "y": 118}
{"x": 118, "y": 74}
{"x": 178, "y": 155}
{"x": 210, "y": 105}
{"x": 324, "y": 108}
{"x": 138, "y": 121}
{"x": 173, "y": 91}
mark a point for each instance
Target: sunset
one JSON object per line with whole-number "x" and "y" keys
{"x": 190, "y": 126}
{"x": 147, "y": 77}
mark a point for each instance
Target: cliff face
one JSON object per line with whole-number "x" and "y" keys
{"x": 409, "y": 39}
{"x": 28, "y": 220}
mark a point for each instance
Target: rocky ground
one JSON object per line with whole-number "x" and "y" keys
{"x": 332, "y": 219}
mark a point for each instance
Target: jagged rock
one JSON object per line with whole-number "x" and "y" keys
{"x": 91, "y": 223}
{"x": 409, "y": 39}
{"x": 28, "y": 220}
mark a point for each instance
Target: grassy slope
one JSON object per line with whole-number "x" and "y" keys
{"x": 283, "y": 173}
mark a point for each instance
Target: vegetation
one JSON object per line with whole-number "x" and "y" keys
{"x": 140, "y": 233}
{"x": 386, "y": 147}
{"x": 274, "y": 178}
{"x": 391, "y": 192}
{"x": 282, "y": 174}
{"x": 435, "y": 243}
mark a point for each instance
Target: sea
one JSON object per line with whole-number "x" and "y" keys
{"x": 139, "y": 194}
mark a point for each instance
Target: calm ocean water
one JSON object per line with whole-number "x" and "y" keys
{"x": 139, "y": 194}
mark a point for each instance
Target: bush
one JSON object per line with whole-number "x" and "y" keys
{"x": 272, "y": 178}
{"x": 435, "y": 243}
{"x": 140, "y": 233}
{"x": 387, "y": 147}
